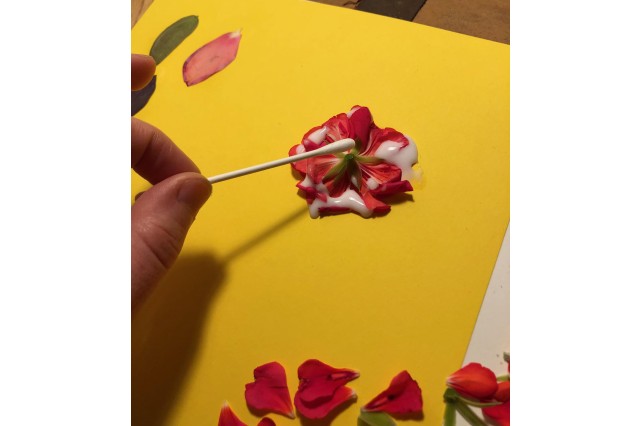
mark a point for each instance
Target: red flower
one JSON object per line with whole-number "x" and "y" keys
{"x": 475, "y": 381}
{"x": 500, "y": 414}
{"x": 377, "y": 167}
{"x": 228, "y": 417}
{"x": 322, "y": 388}
{"x": 269, "y": 391}
{"x": 403, "y": 396}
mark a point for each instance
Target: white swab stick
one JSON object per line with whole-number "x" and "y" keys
{"x": 332, "y": 148}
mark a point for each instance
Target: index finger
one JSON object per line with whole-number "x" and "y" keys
{"x": 154, "y": 156}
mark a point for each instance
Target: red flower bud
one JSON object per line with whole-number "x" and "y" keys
{"x": 502, "y": 394}
{"x": 475, "y": 381}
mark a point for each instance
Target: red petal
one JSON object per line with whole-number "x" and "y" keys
{"x": 319, "y": 381}
{"x": 211, "y": 58}
{"x": 374, "y": 204}
{"x": 337, "y": 128}
{"x": 382, "y": 172}
{"x": 360, "y": 122}
{"x": 403, "y": 396}
{"x": 322, "y": 407}
{"x": 317, "y": 167}
{"x": 500, "y": 414}
{"x": 269, "y": 391}
{"x": 392, "y": 188}
{"x": 228, "y": 417}
{"x": 300, "y": 166}
{"x": 266, "y": 421}
{"x": 503, "y": 392}
{"x": 378, "y": 136}
{"x": 475, "y": 381}
{"x": 311, "y": 141}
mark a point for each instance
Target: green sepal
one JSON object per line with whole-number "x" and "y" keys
{"x": 368, "y": 418}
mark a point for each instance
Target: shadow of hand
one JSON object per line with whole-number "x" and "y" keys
{"x": 165, "y": 335}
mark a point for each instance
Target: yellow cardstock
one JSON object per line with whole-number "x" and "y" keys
{"x": 259, "y": 280}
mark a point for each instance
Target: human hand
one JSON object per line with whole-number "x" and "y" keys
{"x": 162, "y": 215}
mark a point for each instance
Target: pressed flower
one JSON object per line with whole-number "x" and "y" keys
{"x": 321, "y": 408}
{"x": 228, "y": 417}
{"x": 266, "y": 421}
{"x": 500, "y": 414}
{"x": 403, "y": 396}
{"x": 503, "y": 392}
{"x": 356, "y": 180}
{"x": 475, "y": 381}
{"x": 211, "y": 58}
{"x": 269, "y": 391}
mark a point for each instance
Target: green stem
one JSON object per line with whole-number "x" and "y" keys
{"x": 478, "y": 404}
{"x": 449, "y": 415}
{"x": 469, "y": 415}
{"x": 504, "y": 378}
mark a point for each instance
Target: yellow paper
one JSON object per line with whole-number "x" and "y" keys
{"x": 258, "y": 279}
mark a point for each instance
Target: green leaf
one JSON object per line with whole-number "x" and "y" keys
{"x": 172, "y": 36}
{"x": 368, "y": 418}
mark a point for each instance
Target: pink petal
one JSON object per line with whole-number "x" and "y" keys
{"x": 319, "y": 381}
{"x": 228, "y": 417}
{"x": 321, "y": 408}
{"x": 269, "y": 391}
{"x": 403, "y": 396}
{"x": 211, "y": 58}
{"x": 266, "y": 421}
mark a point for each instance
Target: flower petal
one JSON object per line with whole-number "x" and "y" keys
{"x": 403, "y": 396}
{"x": 266, "y": 421}
{"x": 381, "y": 172}
{"x": 338, "y": 128}
{"x": 269, "y": 391}
{"x": 228, "y": 417}
{"x": 392, "y": 188}
{"x": 211, "y": 58}
{"x": 319, "y": 381}
{"x": 475, "y": 381}
{"x": 360, "y": 124}
{"x": 379, "y": 136}
{"x": 322, "y": 407}
{"x": 503, "y": 392}
{"x": 500, "y": 414}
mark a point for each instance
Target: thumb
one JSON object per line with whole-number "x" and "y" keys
{"x": 160, "y": 219}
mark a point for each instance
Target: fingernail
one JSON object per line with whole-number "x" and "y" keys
{"x": 138, "y": 195}
{"x": 194, "y": 192}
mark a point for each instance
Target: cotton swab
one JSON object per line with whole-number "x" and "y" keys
{"x": 332, "y": 148}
